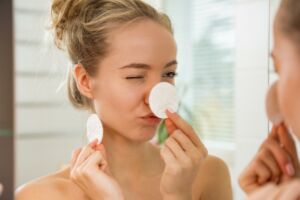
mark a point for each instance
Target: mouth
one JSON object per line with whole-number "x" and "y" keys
{"x": 151, "y": 119}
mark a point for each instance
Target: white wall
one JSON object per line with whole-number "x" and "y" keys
{"x": 47, "y": 127}
{"x": 252, "y": 59}
{"x": 255, "y": 72}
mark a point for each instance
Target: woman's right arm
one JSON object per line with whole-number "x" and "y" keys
{"x": 38, "y": 191}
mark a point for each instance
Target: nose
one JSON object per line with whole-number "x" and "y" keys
{"x": 149, "y": 88}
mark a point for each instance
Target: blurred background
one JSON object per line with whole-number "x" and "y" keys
{"x": 224, "y": 69}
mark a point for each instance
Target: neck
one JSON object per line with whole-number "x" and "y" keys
{"x": 127, "y": 158}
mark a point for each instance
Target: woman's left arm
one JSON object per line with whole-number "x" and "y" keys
{"x": 214, "y": 180}
{"x": 185, "y": 156}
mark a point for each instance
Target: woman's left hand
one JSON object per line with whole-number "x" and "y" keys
{"x": 183, "y": 154}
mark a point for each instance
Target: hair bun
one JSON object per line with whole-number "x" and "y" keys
{"x": 63, "y": 12}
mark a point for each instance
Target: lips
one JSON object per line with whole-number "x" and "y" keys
{"x": 151, "y": 119}
{"x": 150, "y": 115}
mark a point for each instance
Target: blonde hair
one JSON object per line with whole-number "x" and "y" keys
{"x": 82, "y": 27}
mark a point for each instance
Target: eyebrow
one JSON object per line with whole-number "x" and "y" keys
{"x": 146, "y": 66}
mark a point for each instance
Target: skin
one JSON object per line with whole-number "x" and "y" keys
{"x": 276, "y": 166}
{"x": 1, "y": 188}
{"x": 125, "y": 165}
{"x": 288, "y": 191}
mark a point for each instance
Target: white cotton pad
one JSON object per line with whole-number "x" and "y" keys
{"x": 94, "y": 128}
{"x": 272, "y": 105}
{"x": 163, "y": 96}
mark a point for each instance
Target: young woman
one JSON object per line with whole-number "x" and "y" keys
{"x": 120, "y": 50}
{"x": 274, "y": 173}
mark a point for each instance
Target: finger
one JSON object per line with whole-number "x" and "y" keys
{"x": 288, "y": 143}
{"x": 188, "y": 146}
{"x": 168, "y": 156}
{"x": 93, "y": 143}
{"x": 267, "y": 158}
{"x": 95, "y": 160}
{"x": 282, "y": 157}
{"x": 176, "y": 149}
{"x": 184, "y": 141}
{"x": 75, "y": 155}
{"x": 262, "y": 171}
{"x": 273, "y": 133}
{"x": 170, "y": 126}
{"x": 185, "y": 127}
{"x": 101, "y": 148}
{"x": 103, "y": 151}
{"x": 83, "y": 155}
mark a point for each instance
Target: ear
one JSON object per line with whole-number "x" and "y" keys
{"x": 84, "y": 81}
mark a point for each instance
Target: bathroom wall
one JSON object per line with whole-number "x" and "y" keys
{"x": 47, "y": 127}
{"x": 253, "y": 76}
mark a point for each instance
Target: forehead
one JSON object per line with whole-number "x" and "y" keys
{"x": 142, "y": 41}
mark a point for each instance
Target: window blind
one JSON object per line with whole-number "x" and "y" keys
{"x": 212, "y": 44}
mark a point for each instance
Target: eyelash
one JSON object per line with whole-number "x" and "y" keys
{"x": 173, "y": 75}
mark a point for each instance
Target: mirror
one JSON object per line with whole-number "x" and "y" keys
{"x": 223, "y": 56}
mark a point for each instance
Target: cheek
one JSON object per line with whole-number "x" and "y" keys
{"x": 119, "y": 100}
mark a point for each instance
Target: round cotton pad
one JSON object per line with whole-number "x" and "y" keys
{"x": 272, "y": 105}
{"x": 163, "y": 96}
{"x": 94, "y": 128}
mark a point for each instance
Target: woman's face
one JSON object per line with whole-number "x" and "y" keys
{"x": 286, "y": 55}
{"x": 140, "y": 56}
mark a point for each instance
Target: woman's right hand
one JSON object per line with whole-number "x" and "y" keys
{"x": 89, "y": 170}
{"x": 287, "y": 191}
{"x": 276, "y": 161}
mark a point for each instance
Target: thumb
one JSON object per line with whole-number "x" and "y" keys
{"x": 288, "y": 143}
{"x": 101, "y": 148}
{"x": 74, "y": 157}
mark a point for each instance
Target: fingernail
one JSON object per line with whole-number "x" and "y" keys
{"x": 290, "y": 169}
{"x": 93, "y": 143}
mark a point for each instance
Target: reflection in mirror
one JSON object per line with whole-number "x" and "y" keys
{"x": 49, "y": 128}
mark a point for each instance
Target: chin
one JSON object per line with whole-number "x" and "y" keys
{"x": 145, "y": 135}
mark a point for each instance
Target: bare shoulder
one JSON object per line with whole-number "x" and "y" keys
{"x": 54, "y": 186}
{"x": 214, "y": 167}
{"x": 213, "y": 180}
